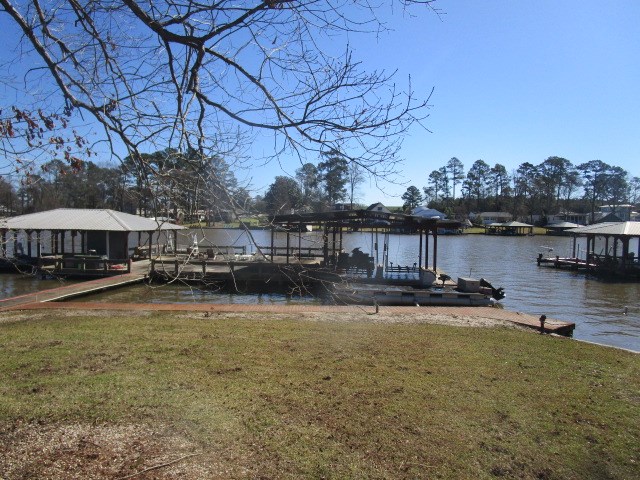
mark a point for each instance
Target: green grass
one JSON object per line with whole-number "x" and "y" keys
{"x": 292, "y": 398}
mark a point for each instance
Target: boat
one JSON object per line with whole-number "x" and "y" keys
{"x": 467, "y": 292}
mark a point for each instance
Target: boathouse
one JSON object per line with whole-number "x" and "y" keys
{"x": 509, "y": 228}
{"x": 82, "y": 241}
{"x": 374, "y": 220}
{"x": 615, "y": 256}
{"x": 560, "y": 228}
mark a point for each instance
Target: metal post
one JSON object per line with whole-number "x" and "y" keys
{"x": 435, "y": 249}
{"x": 333, "y": 244}
{"x": 426, "y": 248}
{"x": 288, "y": 245}
{"x": 420, "y": 251}
{"x": 325, "y": 244}
{"x": 272, "y": 238}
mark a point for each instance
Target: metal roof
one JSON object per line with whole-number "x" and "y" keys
{"x": 562, "y": 225}
{"x": 360, "y": 218}
{"x": 85, "y": 220}
{"x": 628, "y": 229}
{"x": 515, "y": 224}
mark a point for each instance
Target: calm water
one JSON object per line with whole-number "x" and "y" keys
{"x": 597, "y": 307}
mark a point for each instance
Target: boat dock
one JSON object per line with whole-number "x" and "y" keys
{"x": 139, "y": 273}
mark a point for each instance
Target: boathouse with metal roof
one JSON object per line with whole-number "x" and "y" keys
{"x": 609, "y": 261}
{"x": 74, "y": 236}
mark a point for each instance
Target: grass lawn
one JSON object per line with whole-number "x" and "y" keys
{"x": 271, "y": 396}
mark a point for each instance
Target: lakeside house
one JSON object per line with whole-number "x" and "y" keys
{"x": 609, "y": 213}
{"x": 378, "y": 207}
{"x": 486, "y": 218}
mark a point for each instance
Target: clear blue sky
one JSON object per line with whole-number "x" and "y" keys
{"x": 514, "y": 82}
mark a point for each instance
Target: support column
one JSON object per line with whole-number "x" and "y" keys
{"x": 333, "y": 244}
{"x": 435, "y": 249}
{"x": 29, "y": 232}
{"x": 325, "y": 244}
{"x": 38, "y": 244}
{"x": 273, "y": 233}
{"x": 151, "y": 243}
{"x": 625, "y": 255}
{"x": 420, "y": 251}
{"x": 288, "y": 244}
{"x": 426, "y": 248}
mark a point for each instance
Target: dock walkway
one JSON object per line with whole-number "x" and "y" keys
{"x": 139, "y": 272}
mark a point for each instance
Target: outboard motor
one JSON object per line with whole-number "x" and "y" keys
{"x": 497, "y": 293}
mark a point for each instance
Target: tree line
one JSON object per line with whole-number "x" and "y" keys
{"x": 172, "y": 184}
{"x": 177, "y": 185}
{"x": 555, "y": 185}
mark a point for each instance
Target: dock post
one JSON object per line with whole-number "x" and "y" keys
{"x": 539, "y": 258}
{"x": 542, "y": 320}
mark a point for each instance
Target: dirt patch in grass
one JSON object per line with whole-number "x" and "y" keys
{"x": 35, "y": 451}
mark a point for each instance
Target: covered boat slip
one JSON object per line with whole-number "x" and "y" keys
{"x": 334, "y": 225}
{"x": 80, "y": 242}
{"x": 608, "y": 251}
{"x": 290, "y": 259}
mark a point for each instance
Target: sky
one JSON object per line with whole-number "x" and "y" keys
{"x": 513, "y": 82}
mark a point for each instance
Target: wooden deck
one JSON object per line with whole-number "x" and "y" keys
{"x": 139, "y": 272}
{"x": 601, "y": 265}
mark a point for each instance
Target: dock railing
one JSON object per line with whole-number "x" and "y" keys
{"x": 85, "y": 264}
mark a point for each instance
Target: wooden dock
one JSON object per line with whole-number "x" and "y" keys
{"x": 600, "y": 265}
{"x": 139, "y": 272}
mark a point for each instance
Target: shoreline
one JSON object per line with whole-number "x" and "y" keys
{"x": 473, "y": 317}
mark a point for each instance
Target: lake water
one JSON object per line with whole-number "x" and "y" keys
{"x": 597, "y": 307}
